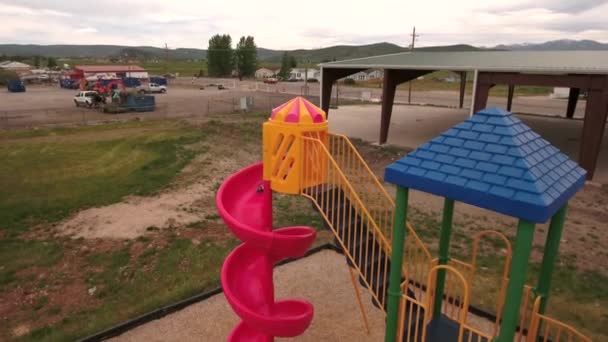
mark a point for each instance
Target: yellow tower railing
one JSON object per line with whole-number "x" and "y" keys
{"x": 551, "y": 329}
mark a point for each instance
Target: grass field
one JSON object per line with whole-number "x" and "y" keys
{"x": 54, "y": 287}
{"x": 49, "y": 174}
{"x": 183, "y": 68}
{"x": 57, "y": 288}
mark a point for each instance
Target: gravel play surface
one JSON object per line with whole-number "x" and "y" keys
{"x": 321, "y": 278}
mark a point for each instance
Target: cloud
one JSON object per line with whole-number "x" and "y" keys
{"x": 86, "y": 30}
{"x": 6, "y": 10}
{"x": 558, "y": 6}
{"x": 321, "y": 23}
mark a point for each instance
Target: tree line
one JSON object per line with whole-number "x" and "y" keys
{"x": 222, "y": 59}
{"x": 37, "y": 61}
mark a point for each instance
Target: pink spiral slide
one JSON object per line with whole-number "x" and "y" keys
{"x": 245, "y": 203}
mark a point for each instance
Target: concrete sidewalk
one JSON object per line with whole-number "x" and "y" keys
{"x": 411, "y": 126}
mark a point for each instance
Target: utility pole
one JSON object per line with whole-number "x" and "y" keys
{"x": 414, "y": 36}
{"x": 306, "y": 77}
{"x": 166, "y": 58}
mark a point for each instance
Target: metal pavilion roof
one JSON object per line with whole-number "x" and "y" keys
{"x": 581, "y": 62}
{"x": 494, "y": 161}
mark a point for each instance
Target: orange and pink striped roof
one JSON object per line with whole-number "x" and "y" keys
{"x": 298, "y": 110}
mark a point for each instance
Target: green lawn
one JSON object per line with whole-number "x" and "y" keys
{"x": 183, "y": 68}
{"x": 48, "y": 174}
{"x": 130, "y": 285}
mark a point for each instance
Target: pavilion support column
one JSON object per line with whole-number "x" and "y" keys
{"x": 572, "y": 100}
{"x": 482, "y": 91}
{"x": 593, "y": 129}
{"x": 326, "y": 87}
{"x": 394, "y": 284}
{"x": 444, "y": 246}
{"x": 554, "y": 237}
{"x": 329, "y": 76}
{"x": 389, "y": 87}
{"x": 510, "y": 97}
{"x": 392, "y": 78}
{"x": 463, "y": 85}
{"x": 517, "y": 280}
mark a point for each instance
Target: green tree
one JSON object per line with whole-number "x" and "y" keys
{"x": 219, "y": 55}
{"x": 285, "y": 66}
{"x": 7, "y": 75}
{"x": 37, "y": 61}
{"x": 246, "y": 56}
{"x": 51, "y": 63}
{"x": 292, "y": 62}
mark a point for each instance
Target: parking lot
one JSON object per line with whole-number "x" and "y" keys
{"x": 51, "y": 105}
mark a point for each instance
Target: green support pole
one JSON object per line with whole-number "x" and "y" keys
{"x": 444, "y": 246}
{"x": 394, "y": 285}
{"x": 550, "y": 256}
{"x": 517, "y": 279}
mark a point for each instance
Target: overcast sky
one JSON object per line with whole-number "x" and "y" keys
{"x": 300, "y": 24}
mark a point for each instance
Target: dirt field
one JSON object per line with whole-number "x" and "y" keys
{"x": 51, "y": 105}
{"x": 45, "y": 105}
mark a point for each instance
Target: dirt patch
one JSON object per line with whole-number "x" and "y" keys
{"x": 137, "y": 215}
{"x": 189, "y": 200}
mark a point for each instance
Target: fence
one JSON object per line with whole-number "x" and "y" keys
{"x": 190, "y": 108}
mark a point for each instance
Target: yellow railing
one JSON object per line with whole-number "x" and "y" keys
{"x": 544, "y": 328}
{"x": 349, "y": 219}
{"x": 364, "y": 182}
{"x": 417, "y": 262}
{"x": 411, "y": 317}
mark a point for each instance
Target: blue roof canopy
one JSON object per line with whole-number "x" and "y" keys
{"x": 493, "y": 161}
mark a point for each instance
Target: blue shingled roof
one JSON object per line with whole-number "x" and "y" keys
{"x": 494, "y": 161}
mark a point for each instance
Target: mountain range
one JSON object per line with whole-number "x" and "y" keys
{"x": 338, "y": 52}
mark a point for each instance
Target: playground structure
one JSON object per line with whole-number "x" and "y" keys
{"x": 491, "y": 160}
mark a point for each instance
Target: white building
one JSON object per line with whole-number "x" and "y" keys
{"x": 560, "y": 93}
{"x": 375, "y": 74}
{"x": 262, "y": 73}
{"x": 21, "y": 69}
{"x": 301, "y": 74}
{"x": 360, "y": 76}
{"x": 15, "y": 66}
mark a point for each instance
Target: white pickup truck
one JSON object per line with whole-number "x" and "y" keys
{"x": 85, "y": 98}
{"x": 152, "y": 88}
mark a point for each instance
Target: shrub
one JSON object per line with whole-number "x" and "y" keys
{"x": 7, "y": 75}
{"x": 349, "y": 81}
